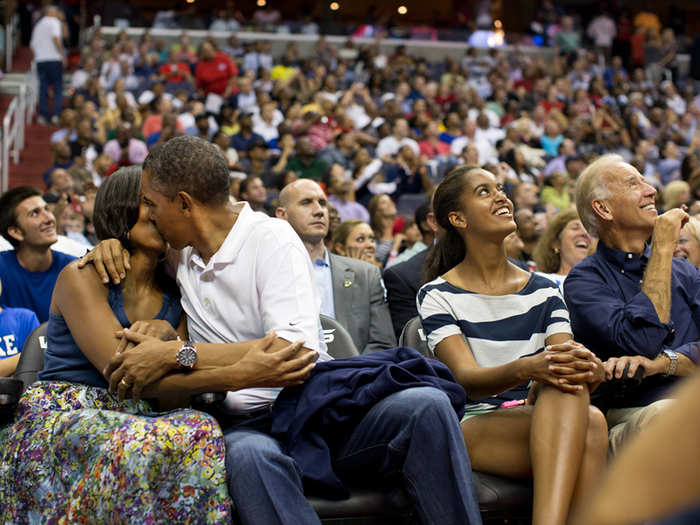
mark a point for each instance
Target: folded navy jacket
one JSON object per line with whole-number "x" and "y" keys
{"x": 311, "y": 419}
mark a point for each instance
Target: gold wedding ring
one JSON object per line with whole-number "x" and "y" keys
{"x": 124, "y": 383}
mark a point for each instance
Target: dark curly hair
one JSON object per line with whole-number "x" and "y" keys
{"x": 192, "y": 165}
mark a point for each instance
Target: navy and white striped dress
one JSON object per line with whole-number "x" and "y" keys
{"x": 497, "y": 328}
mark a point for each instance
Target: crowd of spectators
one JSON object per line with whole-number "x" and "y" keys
{"x": 378, "y": 133}
{"x": 365, "y": 124}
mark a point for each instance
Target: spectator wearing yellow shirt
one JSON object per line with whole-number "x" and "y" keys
{"x": 283, "y": 71}
{"x": 556, "y": 191}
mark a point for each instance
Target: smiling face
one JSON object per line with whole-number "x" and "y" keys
{"x": 35, "y": 225}
{"x": 632, "y": 204}
{"x": 485, "y": 208}
{"x": 688, "y": 247}
{"x": 573, "y": 243}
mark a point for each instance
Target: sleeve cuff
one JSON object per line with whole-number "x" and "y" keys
{"x": 641, "y": 312}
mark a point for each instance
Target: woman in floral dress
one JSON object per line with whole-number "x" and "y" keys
{"x": 78, "y": 454}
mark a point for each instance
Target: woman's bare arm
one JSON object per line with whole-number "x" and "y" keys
{"x": 480, "y": 382}
{"x": 81, "y": 298}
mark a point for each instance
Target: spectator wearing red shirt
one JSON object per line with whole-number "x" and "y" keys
{"x": 552, "y": 102}
{"x": 431, "y": 146}
{"x": 175, "y": 74}
{"x": 215, "y": 72}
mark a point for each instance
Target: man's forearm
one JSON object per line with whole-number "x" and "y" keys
{"x": 215, "y": 355}
{"x": 216, "y": 379}
{"x": 685, "y": 366}
{"x": 657, "y": 280}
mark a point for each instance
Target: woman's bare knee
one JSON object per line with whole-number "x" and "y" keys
{"x": 597, "y": 432}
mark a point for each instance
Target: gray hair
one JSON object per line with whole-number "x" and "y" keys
{"x": 591, "y": 186}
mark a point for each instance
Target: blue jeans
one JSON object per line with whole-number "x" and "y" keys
{"x": 50, "y": 74}
{"x": 414, "y": 433}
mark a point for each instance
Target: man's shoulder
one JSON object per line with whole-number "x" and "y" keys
{"x": 63, "y": 258}
{"x": 411, "y": 267}
{"x": 355, "y": 265}
{"x": 589, "y": 264}
{"x": 270, "y": 231}
{"x": 685, "y": 269}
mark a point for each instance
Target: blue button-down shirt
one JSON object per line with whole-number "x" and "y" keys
{"x": 613, "y": 317}
{"x": 324, "y": 281}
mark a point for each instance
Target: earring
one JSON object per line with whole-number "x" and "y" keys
{"x": 128, "y": 236}
{"x": 556, "y": 250}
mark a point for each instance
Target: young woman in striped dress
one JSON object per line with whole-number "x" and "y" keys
{"x": 505, "y": 335}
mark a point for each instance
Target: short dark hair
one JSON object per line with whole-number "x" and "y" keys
{"x": 243, "y": 188}
{"x": 421, "y": 215}
{"x": 189, "y": 164}
{"x": 8, "y": 208}
{"x": 117, "y": 205}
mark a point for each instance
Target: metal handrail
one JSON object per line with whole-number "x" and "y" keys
{"x": 10, "y": 36}
{"x": 19, "y": 114}
{"x": 8, "y": 132}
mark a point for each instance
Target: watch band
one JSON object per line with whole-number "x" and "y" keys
{"x": 673, "y": 362}
{"x": 187, "y": 355}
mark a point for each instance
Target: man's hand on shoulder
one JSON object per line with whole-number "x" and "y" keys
{"x": 110, "y": 259}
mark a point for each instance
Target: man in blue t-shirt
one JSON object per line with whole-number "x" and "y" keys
{"x": 15, "y": 326}
{"x": 29, "y": 272}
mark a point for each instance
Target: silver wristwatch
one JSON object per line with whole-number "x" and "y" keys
{"x": 673, "y": 361}
{"x": 187, "y": 355}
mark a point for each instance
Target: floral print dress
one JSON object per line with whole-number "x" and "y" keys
{"x": 75, "y": 454}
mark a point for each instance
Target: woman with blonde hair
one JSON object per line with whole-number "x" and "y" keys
{"x": 688, "y": 246}
{"x": 354, "y": 238}
{"x": 675, "y": 194}
{"x": 563, "y": 244}
{"x": 382, "y": 213}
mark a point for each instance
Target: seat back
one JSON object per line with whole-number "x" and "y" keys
{"x": 412, "y": 336}
{"x": 31, "y": 360}
{"x": 337, "y": 339}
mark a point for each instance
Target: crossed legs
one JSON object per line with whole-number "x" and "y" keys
{"x": 561, "y": 441}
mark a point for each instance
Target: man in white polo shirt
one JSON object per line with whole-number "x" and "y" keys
{"x": 47, "y": 45}
{"x": 243, "y": 274}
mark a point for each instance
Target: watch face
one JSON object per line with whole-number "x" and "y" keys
{"x": 187, "y": 356}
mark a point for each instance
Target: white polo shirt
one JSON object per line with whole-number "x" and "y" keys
{"x": 259, "y": 280}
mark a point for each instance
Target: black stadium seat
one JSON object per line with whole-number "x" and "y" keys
{"x": 337, "y": 339}
{"x": 31, "y": 360}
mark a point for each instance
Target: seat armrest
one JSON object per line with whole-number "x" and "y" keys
{"x": 10, "y": 392}
{"x": 208, "y": 401}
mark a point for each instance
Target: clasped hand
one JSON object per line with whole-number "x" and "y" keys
{"x": 144, "y": 360}
{"x": 567, "y": 366}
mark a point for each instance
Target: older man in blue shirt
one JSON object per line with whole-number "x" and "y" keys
{"x": 631, "y": 302}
